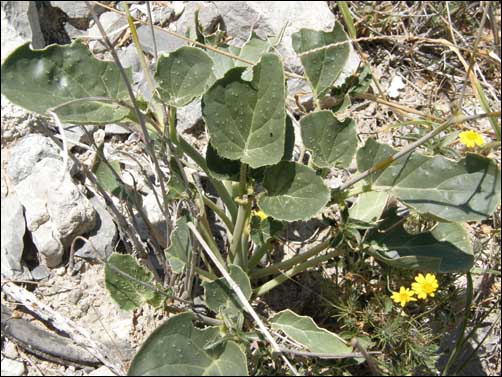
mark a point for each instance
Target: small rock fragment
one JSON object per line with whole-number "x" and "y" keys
{"x": 165, "y": 42}
{"x": 103, "y": 237}
{"x": 12, "y": 367}
{"x": 13, "y": 229}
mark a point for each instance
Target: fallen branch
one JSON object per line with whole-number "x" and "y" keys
{"x": 79, "y": 335}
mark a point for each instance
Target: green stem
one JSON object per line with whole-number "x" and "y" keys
{"x": 276, "y": 268}
{"x": 243, "y": 179}
{"x": 228, "y": 223}
{"x": 205, "y": 275}
{"x": 255, "y": 259}
{"x": 172, "y": 125}
{"x": 358, "y": 190}
{"x": 203, "y": 228}
{"x": 218, "y": 186}
{"x": 460, "y": 339}
{"x": 235, "y": 245}
{"x": 238, "y": 245}
{"x": 260, "y": 291}
{"x": 245, "y": 238}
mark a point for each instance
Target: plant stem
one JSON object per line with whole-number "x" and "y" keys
{"x": 218, "y": 185}
{"x": 219, "y": 212}
{"x": 172, "y": 125}
{"x": 242, "y": 298}
{"x": 255, "y": 259}
{"x": 239, "y": 236}
{"x": 235, "y": 245}
{"x": 276, "y": 268}
{"x": 203, "y": 227}
{"x": 260, "y": 291}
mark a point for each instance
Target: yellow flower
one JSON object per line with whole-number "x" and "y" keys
{"x": 425, "y": 285}
{"x": 470, "y": 138}
{"x": 403, "y": 296}
{"x": 260, "y": 214}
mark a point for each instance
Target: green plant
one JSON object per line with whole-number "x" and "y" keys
{"x": 250, "y": 164}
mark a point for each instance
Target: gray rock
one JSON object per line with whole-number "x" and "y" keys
{"x": 102, "y": 371}
{"x": 17, "y": 122}
{"x": 113, "y": 24}
{"x": 154, "y": 215}
{"x": 55, "y": 210}
{"x": 12, "y": 367}
{"x": 269, "y": 17}
{"x": 162, "y": 15}
{"x": 5, "y": 186}
{"x": 9, "y": 350}
{"x": 40, "y": 272}
{"x": 178, "y": 7}
{"x": 49, "y": 246}
{"x": 103, "y": 237}
{"x": 13, "y": 229}
{"x": 129, "y": 58}
{"x": 78, "y": 13}
{"x": 75, "y": 296}
{"x": 75, "y": 134}
{"x": 209, "y": 17}
{"x": 165, "y": 42}
{"x": 188, "y": 116}
{"x": 20, "y": 23}
{"x": 116, "y": 129}
{"x": 30, "y": 150}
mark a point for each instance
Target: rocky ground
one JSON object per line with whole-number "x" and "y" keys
{"x": 46, "y": 202}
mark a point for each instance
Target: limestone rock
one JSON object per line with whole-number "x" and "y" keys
{"x": 165, "y": 42}
{"x": 103, "y": 237}
{"x": 13, "y": 229}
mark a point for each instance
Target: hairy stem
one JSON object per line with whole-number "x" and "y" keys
{"x": 260, "y": 291}
{"x": 276, "y": 268}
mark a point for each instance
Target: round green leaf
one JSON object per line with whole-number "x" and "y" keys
{"x": 220, "y": 167}
{"x": 247, "y": 119}
{"x": 183, "y": 75}
{"x": 332, "y": 142}
{"x": 178, "y": 348}
{"x": 322, "y": 64}
{"x": 294, "y": 192}
{"x": 180, "y": 250}
{"x": 220, "y": 297}
{"x": 127, "y": 291}
{"x": 39, "y": 80}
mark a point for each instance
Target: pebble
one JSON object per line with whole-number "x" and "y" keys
{"x": 75, "y": 296}
{"x": 10, "y": 350}
{"x": 12, "y": 367}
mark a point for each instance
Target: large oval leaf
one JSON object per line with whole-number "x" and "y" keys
{"x": 304, "y": 330}
{"x": 220, "y": 167}
{"x": 322, "y": 64}
{"x": 252, "y": 51}
{"x": 247, "y": 119}
{"x": 332, "y": 142}
{"x": 177, "y": 348}
{"x": 368, "y": 208}
{"x": 39, "y": 80}
{"x": 445, "y": 249}
{"x": 183, "y": 75}
{"x": 180, "y": 250}
{"x": 467, "y": 190}
{"x": 123, "y": 278}
{"x": 220, "y": 298}
{"x": 294, "y": 192}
